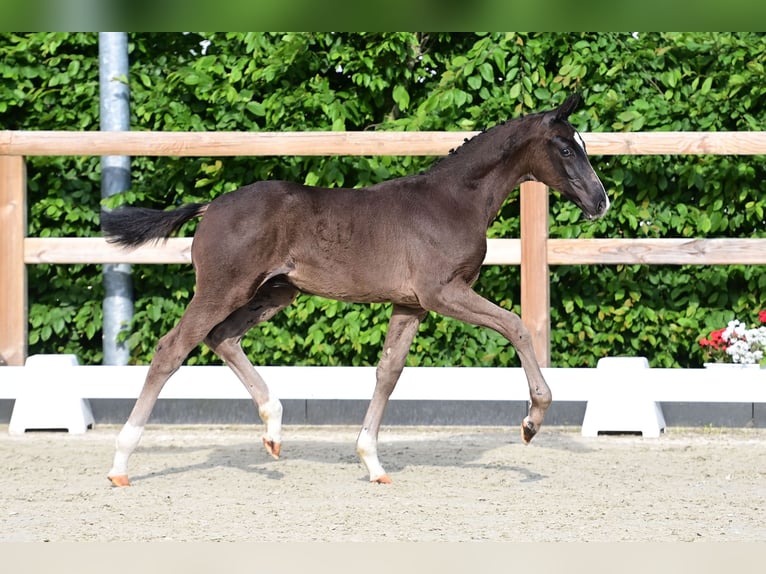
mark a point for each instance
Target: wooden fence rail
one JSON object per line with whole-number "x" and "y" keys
{"x": 533, "y": 251}
{"x": 30, "y": 143}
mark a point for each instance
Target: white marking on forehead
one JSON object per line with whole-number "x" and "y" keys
{"x": 580, "y": 142}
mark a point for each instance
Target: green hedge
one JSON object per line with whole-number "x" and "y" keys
{"x": 408, "y": 81}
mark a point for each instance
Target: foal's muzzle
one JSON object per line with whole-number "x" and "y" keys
{"x": 596, "y": 209}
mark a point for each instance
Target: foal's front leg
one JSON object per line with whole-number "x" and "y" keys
{"x": 459, "y": 301}
{"x": 401, "y": 331}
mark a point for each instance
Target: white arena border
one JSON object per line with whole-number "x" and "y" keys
{"x": 416, "y": 383}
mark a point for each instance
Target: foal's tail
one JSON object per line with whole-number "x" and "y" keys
{"x": 134, "y": 226}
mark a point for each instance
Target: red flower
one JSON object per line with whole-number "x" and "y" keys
{"x": 715, "y": 341}
{"x": 762, "y": 316}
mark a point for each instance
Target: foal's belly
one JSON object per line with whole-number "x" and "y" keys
{"x": 352, "y": 287}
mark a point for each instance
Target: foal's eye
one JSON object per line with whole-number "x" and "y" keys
{"x": 566, "y": 152}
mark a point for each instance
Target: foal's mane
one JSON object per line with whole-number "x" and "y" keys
{"x": 470, "y": 144}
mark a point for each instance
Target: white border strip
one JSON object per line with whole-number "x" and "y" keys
{"x": 417, "y": 383}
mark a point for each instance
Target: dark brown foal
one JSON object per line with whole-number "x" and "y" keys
{"x": 417, "y": 242}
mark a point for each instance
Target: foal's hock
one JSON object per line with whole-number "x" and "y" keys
{"x": 417, "y": 242}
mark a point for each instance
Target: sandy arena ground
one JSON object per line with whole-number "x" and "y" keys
{"x": 450, "y": 484}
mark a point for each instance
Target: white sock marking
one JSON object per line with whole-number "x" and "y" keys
{"x": 126, "y": 443}
{"x": 367, "y": 449}
{"x": 271, "y": 415}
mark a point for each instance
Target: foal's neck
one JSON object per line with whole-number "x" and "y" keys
{"x": 484, "y": 171}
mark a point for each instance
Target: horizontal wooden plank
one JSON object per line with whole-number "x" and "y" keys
{"x": 669, "y": 251}
{"x": 229, "y": 143}
{"x": 665, "y": 251}
{"x": 68, "y": 250}
{"x": 89, "y": 143}
{"x": 676, "y": 143}
{"x": 503, "y": 252}
{"x": 417, "y": 383}
{"x": 96, "y": 250}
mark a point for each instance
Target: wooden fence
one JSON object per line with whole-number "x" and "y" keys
{"x": 533, "y": 251}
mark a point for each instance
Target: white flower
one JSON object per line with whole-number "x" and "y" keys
{"x": 745, "y": 346}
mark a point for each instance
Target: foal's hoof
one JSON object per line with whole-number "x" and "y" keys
{"x": 528, "y": 430}
{"x": 385, "y": 479}
{"x": 272, "y": 447}
{"x": 119, "y": 480}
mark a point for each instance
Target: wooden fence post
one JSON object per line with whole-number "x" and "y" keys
{"x": 535, "y": 277}
{"x": 13, "y": 271}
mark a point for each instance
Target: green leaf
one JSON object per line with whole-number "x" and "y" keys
{"x": 487, "y": 72}
{"x": 736, "y": 79}
{"x": 401, "y": 97}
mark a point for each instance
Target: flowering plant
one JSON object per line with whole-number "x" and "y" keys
{"x": 736, "y": 343}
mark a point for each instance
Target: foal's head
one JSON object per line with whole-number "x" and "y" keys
{"x": 559, "y": 159}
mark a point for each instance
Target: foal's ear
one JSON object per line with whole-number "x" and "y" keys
{"x": 569, "y": 106}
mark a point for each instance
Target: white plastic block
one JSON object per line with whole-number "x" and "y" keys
{"x": 45, "y": 403}
{"x": 620, "y": 405}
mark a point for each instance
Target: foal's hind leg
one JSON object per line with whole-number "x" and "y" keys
{"x": 401, "y": 331}
{"x": 201, "y": 315}
{"x": 459, "y": 301}
{"x": 225, "y": 339}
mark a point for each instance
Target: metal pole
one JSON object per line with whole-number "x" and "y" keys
{"x": 115, "y": 178}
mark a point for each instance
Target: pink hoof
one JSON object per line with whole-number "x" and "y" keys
{"x": 385, "y": 479}
{"x": 272, "y": 447}
{"x": 119, "y": 480}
